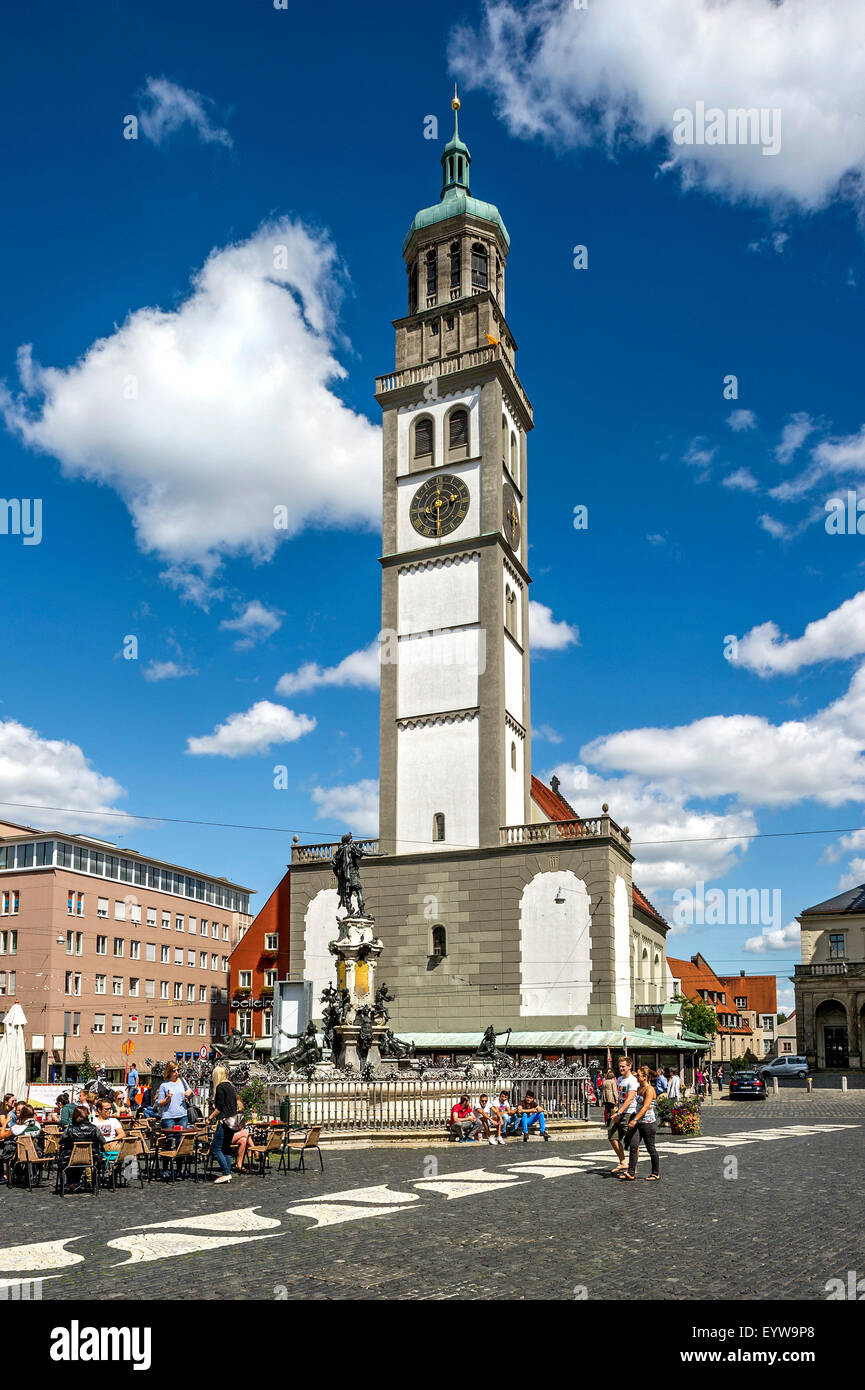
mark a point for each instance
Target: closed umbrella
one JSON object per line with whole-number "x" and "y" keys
{"x": 13, "y": 1069}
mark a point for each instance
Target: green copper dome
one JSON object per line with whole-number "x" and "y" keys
{"x": 456, "y": 198}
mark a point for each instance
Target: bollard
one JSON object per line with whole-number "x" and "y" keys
{"x": 775, "y": 1084}
{"x": 809, "y": 1083}
{"x": 843, "y": 1083}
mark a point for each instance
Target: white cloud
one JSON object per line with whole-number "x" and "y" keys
{"x": 37, "y": 771}
{"x": 361, "y": 668}
{"x": 699, "y": 454}
{"x": 841, "y": 457}
{"x": 656, "y": 538}
{"x": 546, "y": 633}
{"x": 693, "y": 845}
{"x": 774, "y": 241}
{"x": 742, "y": 480}
{"x": 821, "y": 758}
{"x": 854, "y": 876}
{"x": 253, "y": 731}
{"x": 777, "y": 529}
{"x": 233, "y": 413}
{"x": 612, "y": 75}
{"x": 355, "y": 806}
{"x": 166, "y": 671}
{"x": 740, "y": 420}
{"x": 168, "y": 107}
{"x": 793, "y": 435}
{"x": 254, "y": 623}
{"x": 836, "y": 637}
{"x": 546, "y": 732}
{"x": 775, "y": 939}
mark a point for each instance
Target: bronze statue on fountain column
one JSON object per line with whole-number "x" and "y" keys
{"x": 345, "y": 864}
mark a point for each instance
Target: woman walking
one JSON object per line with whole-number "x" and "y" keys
{"x": 225, "y": 1113}
{"x": 643, "y": 1125}
{"x": 609, "y": 1094}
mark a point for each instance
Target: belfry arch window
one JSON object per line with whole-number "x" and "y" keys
{"x": 513, "y": 755}
{"x": 439, "y": 941}
{"x": 423, "y": 441}
{"x": 515, "y": 460}
{"x": 455, "y": 267}
{"x": 439, "y": 826}
{"x": 458, "y": 434}
{"x": 412, "y": 289}
{"x": 432, "y": 275}
{"x": 504, "y": 442}
{"x": 510, "y": 611}
{"x": 480, "y": 267}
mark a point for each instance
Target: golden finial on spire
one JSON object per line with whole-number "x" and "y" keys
{"x": 456, "y": 101}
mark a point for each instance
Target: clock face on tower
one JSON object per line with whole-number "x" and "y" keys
{"x": 439, "y": 506}
{"x": 510, "y": 517}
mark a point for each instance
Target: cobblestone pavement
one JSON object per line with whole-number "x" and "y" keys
{"x": 768, "y": 1204}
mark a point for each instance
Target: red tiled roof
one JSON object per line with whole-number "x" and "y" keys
{"x": 642, "y": 902}
{"x": 696, "y": 977}
{"x": 551, "y": 803}
{"x": 761, "y": 991}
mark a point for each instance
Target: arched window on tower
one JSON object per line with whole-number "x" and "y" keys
{"x": 439, "y": 825}
{"x": 456, "y": 268}
{"x": 510, "y": 611}
{"x": 432, "y": 277}
{"x": 412, "y": 289}
{"x": 439, "y": 941}
{"x": 480, "y": 267}
{"x": 458, "y": 434}
{"x": 504, "y": 442}
{"x": 423, "y": 441}
{"x": 515, "y": 460}
{"x": 513, "y": 756}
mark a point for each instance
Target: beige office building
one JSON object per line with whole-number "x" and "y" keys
{"x": 106, "y": 946}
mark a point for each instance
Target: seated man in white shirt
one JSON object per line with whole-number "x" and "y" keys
{"x": 109, "y": 1127}
{"x": 490, "y": 1119}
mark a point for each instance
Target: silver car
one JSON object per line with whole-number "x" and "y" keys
{"x": 785, "y": 1066}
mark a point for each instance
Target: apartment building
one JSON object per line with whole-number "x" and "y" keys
{"x": 695, "y": 979}
{"x": 756, "y": 999}
{"x": 102, "y": 945}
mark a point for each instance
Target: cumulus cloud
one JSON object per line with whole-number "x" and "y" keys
{"x": 775, "y": 939}
{"x": 833, "y": 458}
{"x": 612, "y": 75}
{"x": 700, "y": 455}
{"x": 167, "y": 108}
{"x": 254, "y": 731}
{"x": 836, "y": 637}
{"x": 793, "y": 436}
{"x": 37, "y": 771}
{"x": 166, "y": 671}
{"x": 216, "y": 421}
{"x": 361, "y": 668}
{"x": 355, "y": 805}
{"x": 740, "y": 420}
{"x": 742, "y": 480}
{"x": 821, "y": 758}
{"x": 548, "y": 634}
{"x": 254, "y": 623}
{"x": 691, "y": 845}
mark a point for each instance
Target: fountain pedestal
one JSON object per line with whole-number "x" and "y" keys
{"x": 357, "y": 950}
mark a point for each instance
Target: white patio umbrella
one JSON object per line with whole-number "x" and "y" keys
{"x": 13, "y": 1070}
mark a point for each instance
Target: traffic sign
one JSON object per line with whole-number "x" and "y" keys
{"x": 127, "y": 1048}
{"x": 203, "y": 1053}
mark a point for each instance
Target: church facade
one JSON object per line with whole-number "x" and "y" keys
{"x": 496, "y": 901}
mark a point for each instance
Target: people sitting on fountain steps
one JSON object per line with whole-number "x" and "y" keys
{"x": 490, "y": 1119}
{"x": 530, "y": 1113}
{"x": 510, "y": 1120}
{"x": 464, "y": 1124}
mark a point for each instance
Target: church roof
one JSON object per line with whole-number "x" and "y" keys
{"x": 851, "y": 901}
{"x": 456, "y": 198}
{"x": 642, "y": 902}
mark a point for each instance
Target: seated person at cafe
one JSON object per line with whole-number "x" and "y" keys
{"x": 80, "y": 1130}
{"x": 530, "y": 1113}
{"x": 110, "y": 1128}
{"x": 464, "y": 1124}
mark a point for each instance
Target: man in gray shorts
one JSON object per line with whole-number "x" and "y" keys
{"x": 617, "y": 1130}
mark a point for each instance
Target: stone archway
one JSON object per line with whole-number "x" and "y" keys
{"x": 832, "y": 1034}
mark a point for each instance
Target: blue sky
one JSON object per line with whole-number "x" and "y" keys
{"x": 219, "y": 393}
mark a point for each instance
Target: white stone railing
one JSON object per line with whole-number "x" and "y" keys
{"x": 583, "y": 828}
{"x": 322, "y": 854}
{"x": 464, "y": 361}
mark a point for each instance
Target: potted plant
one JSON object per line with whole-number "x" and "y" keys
{"x": 664, "y": 1109}
{"x": 685, "y": 1117}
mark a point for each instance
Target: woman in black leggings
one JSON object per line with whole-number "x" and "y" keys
{"x": 643, "y": 1126}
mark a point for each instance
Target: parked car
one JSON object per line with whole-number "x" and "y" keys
{"x": 785, "y": 1066}
{"x": 747, "y": 1083}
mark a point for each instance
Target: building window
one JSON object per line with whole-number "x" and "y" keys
{"x": 178, "y": 924}
{"x": 135, "y": 913}
{"x": 515, "y": 467}
{"x": 102, "y": 945}
{"x": 432, "y": 275}
{"x": 244, "y": 1025}
{"x": 510, "y": 611}
{"x": 133, "y": 986}
{"x": 150, "y": 950}
{"x": 244, "y": 979}
{"x": 101, "y": 907}
{"x": 270, "y": 978}
{"x": 271, "y": 941}
{"x": 117, "y": 1023}
{"x": 423, "y": 438}
{"x": 8, "y": 943}
{"x": 148, "y": 1023}
{"x": 267, "y": 1023}
{"x": 9, "y": 903}
{"x": 455, "y": 266}
{"x": 412, "y": 289}
{"x": 118, "y": 945}
{"x": 513, "y": 756}
{"x": 836, "y": 946}
{"x": 163, "y": 1025}
{"x": 151, "y": 917}
{"x": 178, "y": 990}
{"x": 135, "y": 950}
{"x": 439, "y": 941}
{"x": 164, "y": 955}
{"x": 117, "y": 984}
{"x": 99, "y": 985}
{"x": 150, "y": 989}
{"x": 176, "y": 1027}
{"x": 480, "y": 267}
{"x": 133, "y": 1025}
{"x": 166, "y": 921}
{"x": 458, "y": 432}
{"x": 119, "y": 911}
{"x": 99, "y": 1023}
{"x": 439, "y": 825}
{"x": 178, "y": 956}
{"x": 163, "y": 989}
{"x": 214, "y": 962}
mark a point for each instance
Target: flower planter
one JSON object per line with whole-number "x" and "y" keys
{"x": 687, "y": 1125}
